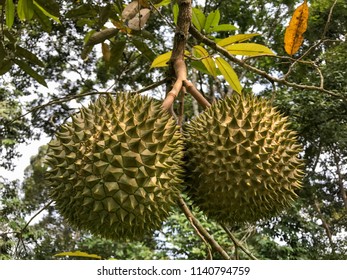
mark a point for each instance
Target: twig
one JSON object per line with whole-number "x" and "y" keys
{"x": 325, "y": 224}
{"x": 200, "y": 37}
{"x": 20, "y": 240}
{"x": 149, "y": 87}
{"x": 196, "y": 94}
{"x": 85, "y": 94}
{"x": 328, "y": 20}
{"x": 321, "y": 41}
{"x": 237, "y": 243}
{"x": 202, "y": 230}
{"x": 202, "y": 238}
{"x": 181, "y": 108}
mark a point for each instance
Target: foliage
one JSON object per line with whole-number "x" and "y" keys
{"x": 57, "y": 55}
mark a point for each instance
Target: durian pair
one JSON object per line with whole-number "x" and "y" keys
{"x": 117, "y": 168}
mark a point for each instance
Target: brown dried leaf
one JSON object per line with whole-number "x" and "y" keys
{"x": 293, "y": 36}
{"x": 106, "y": 53}
{"x": 139, "y": 20}
{"x": 130, "y": 10}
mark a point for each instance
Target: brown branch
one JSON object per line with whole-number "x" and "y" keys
{"x": 20, "y": 239}
{"x": 196, "y": 94}
{"x": 85, "y": 94}
{"x": 177, "y": 66}
{"x": 200, "y": 37}
{"x": 237, "y": 243}
{"x": 181, "y": 75}
{"x": 181, "y": 108}
{"x": 202, "y": 238}
{"x": 326, "y": 27}
{"x": 149, "y": 87}
{"x": 202, "y": 230}
{"x": 324, "y": 224}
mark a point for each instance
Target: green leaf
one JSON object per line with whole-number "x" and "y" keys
{"x": 2, "y": 52}
{"x": 212, "y": 20}
{"x": 84, "y": 10}
{"x": 229, "y": 74}
{"x": 209, "y": 63}
{"x": 45, "y": 22}
{"x": 223, "y": 27}
{"x": 162, "y": 3}
{"x": 9, "y": 13}
{"x": 249, "y": 49}
{"x": 5, "y": 66}
{"x": 51, "y": 6}
{"x": 105, "y": 15}
{"x": 10, "y": 36}
{"x": 45, "y": 12}
{"x": 198, "y": 18}
{"x": 25, "y": 9}
{"x": 161, "y": 60}
{"x": 198, "y": 65}
{"x": 21, "y": 52}
{"x": 117, "y": 50}
{"x": 31, "y": 72}
{"x": 144, "y": 49}
{"x": 78, "y": 254}
{"x": 175, "y": 10}
{"x": 235, "y": 39}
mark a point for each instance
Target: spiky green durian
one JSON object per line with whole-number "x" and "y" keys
{"x": 242, "y": 160}
{"x": 116, "y": 167}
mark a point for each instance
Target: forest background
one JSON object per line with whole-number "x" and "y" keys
{"x": 48, "y": 71}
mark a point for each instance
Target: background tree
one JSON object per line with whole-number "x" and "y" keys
{"x": 309, "y": 87}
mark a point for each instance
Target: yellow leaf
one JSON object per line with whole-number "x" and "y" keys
{"x": 236, "y": 39}
{"x": 210, "y": 65}
{"x": 106, "y": 52}
{"x": 229, "y": 74}
{"x": 293, "y": 36}
{"x": 161, "y": 60}
{"x": 78, "y": 254}
{"x": 248, "y": 49}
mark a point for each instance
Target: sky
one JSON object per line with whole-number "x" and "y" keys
{"x": 27, "y": 151}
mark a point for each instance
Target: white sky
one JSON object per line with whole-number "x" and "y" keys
{"x": 21, "y": 163}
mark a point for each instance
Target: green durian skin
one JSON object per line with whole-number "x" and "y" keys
{"x": 116, "y": 168}
{"x": 242, "y": 160}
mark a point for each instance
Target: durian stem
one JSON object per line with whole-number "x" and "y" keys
{"x": 177, "y": 66}
{"x": 237, "y": 243}
{"x": 181, "y": 75}
{"x": 196, "y": 94}
{"x": 182, "y": 204}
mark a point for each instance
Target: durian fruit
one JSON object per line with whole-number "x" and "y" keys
{"x": 242, "y": 160}
{"x": 115, "y": 169}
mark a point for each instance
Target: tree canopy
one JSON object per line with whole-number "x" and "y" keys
{"x": 57, "y": 55}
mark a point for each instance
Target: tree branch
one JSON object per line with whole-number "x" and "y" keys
{"x": 201, "y": 229}
{"x": 177, "y": 66}
{"x": 200, "y": 37}
{"x": 237, "y": 243}
{"x": 20, "y": 240}
{"x": 324, "y": 224}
